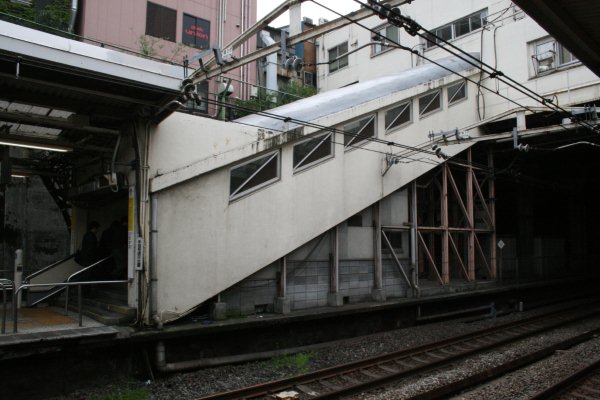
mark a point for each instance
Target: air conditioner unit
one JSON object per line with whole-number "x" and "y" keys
{"x": 545, "y": 61}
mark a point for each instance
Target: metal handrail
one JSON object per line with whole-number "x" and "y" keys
{"x": 5, "y": 284}
{"x": 36, "y": 273}
{"x": 66, "y": 284}
{"x": 77, "y": 273}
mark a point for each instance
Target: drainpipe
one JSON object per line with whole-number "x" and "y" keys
{"x": 153, "y": 260}
{"x": 73, "y": 15}
{"x": 271, "y": 65}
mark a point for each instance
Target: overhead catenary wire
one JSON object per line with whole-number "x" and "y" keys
{"x": 414, "y": 28}
{"x": 324, "y": 128}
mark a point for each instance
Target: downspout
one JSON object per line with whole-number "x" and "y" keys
{"x": 153, "y": 262}
{"x": 73, "y": 15}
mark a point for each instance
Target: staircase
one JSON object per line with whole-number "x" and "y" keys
{"x": 106, "y": 304}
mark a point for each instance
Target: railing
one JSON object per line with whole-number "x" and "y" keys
{"x": 75, "y": 274}
{"x": 65, "y": 284}
{"x": 49, "y": 267}
{"x": 5, "y": 284}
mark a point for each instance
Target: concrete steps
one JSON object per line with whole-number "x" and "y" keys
{"x": 107, "y": 305}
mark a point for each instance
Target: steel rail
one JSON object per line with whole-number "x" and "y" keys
{"x": 576, "y": 380}
{"x": 489, "y": 374}
{"x": 349, "y": 378}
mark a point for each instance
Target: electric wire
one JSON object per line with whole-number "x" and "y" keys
{"x": 413, "y": 28}
{"x": 324, "y": 128}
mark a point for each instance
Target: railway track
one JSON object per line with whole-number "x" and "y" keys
{"x": 360, "y": 376}
{"x": 582, "y": 384}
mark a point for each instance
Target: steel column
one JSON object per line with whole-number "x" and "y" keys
{"x": 445, "y": 231}
{"x": 471, "y": 216}
{"x": 378, "y": 267}
{"x": 492, "y": 211}
{"x": 282, "y": 289}
{"x": 334, "y": 264}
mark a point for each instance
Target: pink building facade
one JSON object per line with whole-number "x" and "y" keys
{"x": 170, "y": 30}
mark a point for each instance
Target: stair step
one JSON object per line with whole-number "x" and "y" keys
{"x": 118, "y": 308}
{"x": 104, "y": 316}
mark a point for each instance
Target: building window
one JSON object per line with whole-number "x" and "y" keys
{"x": 359, "y": 131}
{"x": 430, "y": 102}
{"x": 458, "y": 28}
{"x": 161, "y": 21}
{"x": 196, "y": 32}
{"x": 313, "y": 151}
{"x": 335, "y": 61}
{"x": 385, "y": 34}
{"x": 548, "y": 55}
{"x": 253, "y": 175}
{"x": 398, "y": 116}
{"x": 457, "y": 92}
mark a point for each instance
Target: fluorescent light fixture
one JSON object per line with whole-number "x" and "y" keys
{"x": 38, "y": 146}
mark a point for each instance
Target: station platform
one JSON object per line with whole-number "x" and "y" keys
{"x": 48, "y": 326}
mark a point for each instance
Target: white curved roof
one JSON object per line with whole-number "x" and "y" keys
{"x": 333, "y": 101}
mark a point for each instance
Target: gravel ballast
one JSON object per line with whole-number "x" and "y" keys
{"x": 195, "y": 384}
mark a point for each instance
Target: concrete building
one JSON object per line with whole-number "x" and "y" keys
{"x": 400, "y": 179}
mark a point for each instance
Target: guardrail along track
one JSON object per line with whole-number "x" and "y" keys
{"x": 377, "y": 371}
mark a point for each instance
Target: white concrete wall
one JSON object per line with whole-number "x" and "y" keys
{"x": 505, "y": 44}
{"x": 207, "y": 243}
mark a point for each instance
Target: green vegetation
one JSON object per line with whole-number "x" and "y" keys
{"x": 131, "y": 394}
{"x": 264, "y": 101}
{"x": 298, "y": 362}
{"x": 53, "y": 17}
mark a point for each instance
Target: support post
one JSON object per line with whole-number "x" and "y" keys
{"x": 471, "y": 216}
{"x": 282, "y": 303}
{"x": 378, "y": 292}
{"x": 492, "y": 207}
{"x": 413, "y": 239}
{"x": 445, "y": 231}
{"x": 334, "y": 298}
{"x": 18, "y": 275}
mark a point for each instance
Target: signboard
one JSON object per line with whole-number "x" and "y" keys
{"x": 196, "y": 32}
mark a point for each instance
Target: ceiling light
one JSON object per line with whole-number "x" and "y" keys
{"x": 38, "y": 146}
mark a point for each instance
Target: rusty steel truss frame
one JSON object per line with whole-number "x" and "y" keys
{"x": 456, "y": 224}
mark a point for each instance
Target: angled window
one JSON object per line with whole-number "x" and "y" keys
{"x": 457, "y": 92}
{"x": 161, "y": 21}
{"x": 359, "y": 131}
{"x": 312, "y": 151}
{"x": 253, "y": 175}
{"x": 335, "y": 61}
{"x": 195, "y": 32}
{"x": 398, "y": 116}
{"x": 458, "y": 28}
{"x": 385, "y": 34}
{"x": 430, "y": 102}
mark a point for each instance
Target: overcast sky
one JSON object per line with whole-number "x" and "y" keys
{"x": 309, "y": 9}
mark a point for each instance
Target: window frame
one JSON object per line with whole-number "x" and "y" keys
{"x": 150, "y": 4}
{"x": 239, "y": 193}
{"x": 352, "y": 144}
{"x": 423, "y": 114}
{"x": 482, "y": 16}
{"x": 303, "y": 167}
{"x": 451, "y": 100}
{"x": 337, "y": 58}
{"x": 407, "y": 103}
{"x": 383, "y": 34}
{"x": 196, "y": 39}
{"x": 558, "y": 51}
